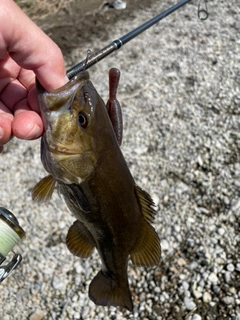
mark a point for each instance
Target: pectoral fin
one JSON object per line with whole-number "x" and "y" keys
{"x": 79, "y": 240}
{"x": 147, "y": 251}
{"x": 43, "y": 190}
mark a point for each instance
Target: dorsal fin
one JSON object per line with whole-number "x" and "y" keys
{"x": 43, "y": 190}
{"x": 79, "y": 240}
{"x": 147, "y": 251}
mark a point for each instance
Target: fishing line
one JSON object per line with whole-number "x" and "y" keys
{"x": 117, "y": 44}
{"x": 8, "y": 238}
{"x": 10, "y": 234}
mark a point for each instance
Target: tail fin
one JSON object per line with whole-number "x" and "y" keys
{"x": 105, "y": 291}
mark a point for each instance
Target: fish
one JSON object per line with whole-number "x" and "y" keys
{"x": 80, "y": 150}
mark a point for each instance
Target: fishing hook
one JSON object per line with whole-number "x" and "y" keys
{"x": 87, "y": 58}
{"x": 202, "y": 11}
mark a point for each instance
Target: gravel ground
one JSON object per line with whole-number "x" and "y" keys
{"x": 180, "y": 96}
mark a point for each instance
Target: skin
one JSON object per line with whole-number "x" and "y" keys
{"x": 23, "y": 56}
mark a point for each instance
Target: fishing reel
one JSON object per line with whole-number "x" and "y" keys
{"x": 10, "y": 234}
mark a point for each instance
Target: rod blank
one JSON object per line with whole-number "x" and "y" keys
{"x": 116, "y": 44}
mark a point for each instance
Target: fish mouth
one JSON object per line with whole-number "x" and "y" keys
{"x": 62, "y": 150}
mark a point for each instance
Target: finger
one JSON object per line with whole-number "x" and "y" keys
{"x": 13, "y": 93}
{"x": 6, "y": 119}
{"x": 27, "y": 124}
{"x": 9, "y": 71}
{"x": 33, "y": 49}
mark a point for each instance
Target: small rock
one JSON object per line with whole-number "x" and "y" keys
{"x": 228, "y": 300}
{"x": 213, "y": 277}
{"x": 189, "y": 303}
{"x": 238, "y": 267}
{"x": 38, "y": 315}
{"x": 227, "y": 276}
{"x": 195, "y": 316}
{"x": 58, "y": 284}
{"x": 207, "y": 297}
{"x": 141, "y": 150}
{"x": 221, "y": 231}
{"x": 232, "y": 290}
{"x": 78, "y": 267}
{"x": 197, "y": 294}
{"x": 164, "y": 244}
{"x": 193, "y": 265}
{"x": 85, "y": 312}
{"x": 62, "y": 225}
{"x": 155, "y": 199}
{"x": 216, "y": 289}
{"x": 142, "y": 297}
{"x": 181, "y": 262}
{"x": 157, "y": 290}
{"x": 230, "y": 267}
{"x": 185, "y": 285}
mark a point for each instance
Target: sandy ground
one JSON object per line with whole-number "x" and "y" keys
{"x": 180, "y": 96}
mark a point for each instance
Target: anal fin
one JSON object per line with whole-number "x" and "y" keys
{"x": 79, "y": 240}
{"x": 147, "y": 251}
{"x": 43, "y": 190}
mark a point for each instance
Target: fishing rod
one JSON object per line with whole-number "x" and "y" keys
{"x": 10, "y": 230}
{"x": 117, "y": 44}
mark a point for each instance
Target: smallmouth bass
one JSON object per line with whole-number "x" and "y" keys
{"x": 80, "y": 151}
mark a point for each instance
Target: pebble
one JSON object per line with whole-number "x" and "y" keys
{"x": 230, "y": 267}
{"x": 185, "y": 285}
{"x": 181, "y": 262}
{"x": 194, "y": 316}
{"x": 221, "y": 231}
{"x": 197, "y": 294}
{"x": 189, "y": 303}
{"x": 157, "y": 290}
{"x": 38, "y": 315}
{"x": 216, "y": 289}
{"x": 193, "y": 265}
{"x": 228, "y": 300}
{"x": 85, "y": 312}
{"x": 58, "y": 284}
{"x": 156, "y": 199}
{"x": 207, "y": 297}
{"x": 142, "y": 297}
{"x": 164, "y": 244}
{"x": 227, "y": 276}
{"x": 238, "y": 267}
{"x": 213, "y": 278}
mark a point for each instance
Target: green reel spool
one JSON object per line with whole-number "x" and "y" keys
{"x": 10, "y": 234}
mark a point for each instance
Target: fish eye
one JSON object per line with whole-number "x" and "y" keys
{"x": 82, "y": 119}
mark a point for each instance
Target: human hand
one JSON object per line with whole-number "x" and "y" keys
{"x": 25, "y": 52}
